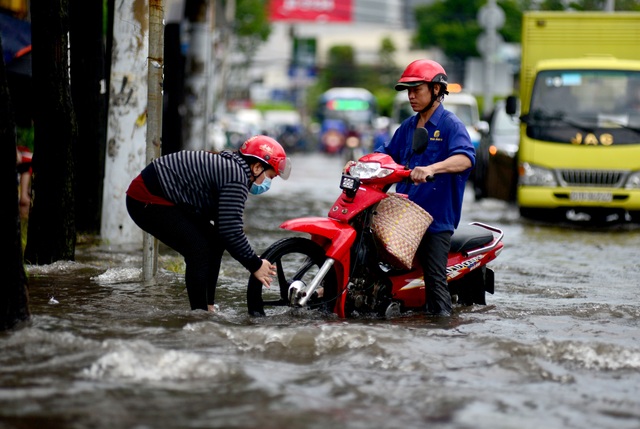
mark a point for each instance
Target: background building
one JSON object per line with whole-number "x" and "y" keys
{"x": 369, "y": 22}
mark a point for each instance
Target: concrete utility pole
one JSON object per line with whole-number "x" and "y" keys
{"x": 127, "y": 119}
{"x": 155, "y": 79}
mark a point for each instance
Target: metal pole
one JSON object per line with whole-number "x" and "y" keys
{"x": 208, "y": 65}
{"x": 491, "y": 18}
{"x": 489, "y": 69}
{"x": 155, "y": 76}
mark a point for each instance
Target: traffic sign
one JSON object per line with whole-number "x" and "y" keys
{"x": 491, "y": 16}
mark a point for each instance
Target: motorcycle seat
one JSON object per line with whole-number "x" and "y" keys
{"x": 468, "y": 237}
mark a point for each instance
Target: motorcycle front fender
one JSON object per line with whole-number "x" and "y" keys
{"x": 335, "y": 237}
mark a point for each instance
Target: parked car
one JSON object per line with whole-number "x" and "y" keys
{"x": 465, "y": 107}
{"x": 496, "y": 170}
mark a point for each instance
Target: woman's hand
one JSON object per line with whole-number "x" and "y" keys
{"x": 265, "y": 273}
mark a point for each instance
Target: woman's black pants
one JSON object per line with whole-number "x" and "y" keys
{"x": 191, "y": 235}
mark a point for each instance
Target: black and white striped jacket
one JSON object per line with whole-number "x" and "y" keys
{"x": 215, "y": 185}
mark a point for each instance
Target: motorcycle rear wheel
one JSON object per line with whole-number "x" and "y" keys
{"x": 296, "y": 258}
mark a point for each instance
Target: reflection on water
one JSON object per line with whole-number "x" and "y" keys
{"x": 557, "y": 346}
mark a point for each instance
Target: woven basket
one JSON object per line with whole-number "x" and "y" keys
{"x": 399, "y": 225}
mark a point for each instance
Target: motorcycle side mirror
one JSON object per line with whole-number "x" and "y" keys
{"x": 420, "y": 140}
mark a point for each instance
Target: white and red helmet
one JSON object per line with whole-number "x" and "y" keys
{"x": 268, "y": 151}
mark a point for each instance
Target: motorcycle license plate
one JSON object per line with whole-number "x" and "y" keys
{"x": 601, "y": 197}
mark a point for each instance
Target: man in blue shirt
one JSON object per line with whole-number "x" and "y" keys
{"x": 448, "y": 159}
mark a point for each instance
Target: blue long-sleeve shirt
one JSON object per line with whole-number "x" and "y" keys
{"x": 448, "y": 136}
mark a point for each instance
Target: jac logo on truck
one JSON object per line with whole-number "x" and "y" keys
{"x": 591, "y": 139}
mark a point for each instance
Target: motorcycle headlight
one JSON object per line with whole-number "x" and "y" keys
{"x": 633, "y": 181}
{"x": 533, "y": 175}
{"x": 349, "y": 183}
{"x": 369, "y": 170}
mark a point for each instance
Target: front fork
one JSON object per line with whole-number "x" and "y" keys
{"x": 299, "y": 293}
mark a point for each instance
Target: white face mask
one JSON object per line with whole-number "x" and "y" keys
{"x": 261, "y": 188}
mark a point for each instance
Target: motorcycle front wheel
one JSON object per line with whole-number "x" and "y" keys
{"x": 296, "y": 258}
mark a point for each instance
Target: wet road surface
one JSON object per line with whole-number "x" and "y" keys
{"x": 557, "y": 346}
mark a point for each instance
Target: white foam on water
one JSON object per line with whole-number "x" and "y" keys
{"x": 118, "y": 275}
{"x": 140, "y": 361}
{"x": 594, "y": 356}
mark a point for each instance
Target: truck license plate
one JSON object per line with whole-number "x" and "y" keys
{"x": 601, "y": 197}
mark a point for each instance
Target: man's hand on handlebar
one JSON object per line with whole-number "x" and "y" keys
{"x": 422, "y": 174}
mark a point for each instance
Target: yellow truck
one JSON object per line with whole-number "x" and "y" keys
{"x": 579, "y": 153}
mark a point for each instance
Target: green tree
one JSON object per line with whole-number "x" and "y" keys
{"x": 552, "y": 5}
{"x": 452, "y": 25}
{"x": 386, "y": 64}
{"x": 341, "y": 69}
{"x": 589, "y": 5}
{"x": 251, "y": 27}
{"x": 511, "y": 31}
{"x": 387, "y": 75}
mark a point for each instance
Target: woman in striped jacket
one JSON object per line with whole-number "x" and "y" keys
{"x": 193, "y": 201}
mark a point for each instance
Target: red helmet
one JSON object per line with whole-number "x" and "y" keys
{"x": 422, "y": 71}
{"x": 269, "y": 151}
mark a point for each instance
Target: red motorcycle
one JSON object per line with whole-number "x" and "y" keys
{"x": 339, "y": 269}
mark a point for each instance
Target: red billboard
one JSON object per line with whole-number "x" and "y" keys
{"x": 310, "y": 10}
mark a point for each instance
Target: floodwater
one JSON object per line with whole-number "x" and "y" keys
{"x": 557, "y": 346}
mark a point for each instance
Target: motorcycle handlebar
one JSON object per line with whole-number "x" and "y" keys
{"x": 407, "y": 179}
{"x": 403, "y": 171}
{"x": 407, "y": 176}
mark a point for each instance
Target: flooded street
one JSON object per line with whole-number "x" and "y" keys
{"x": 557, "y": 346}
